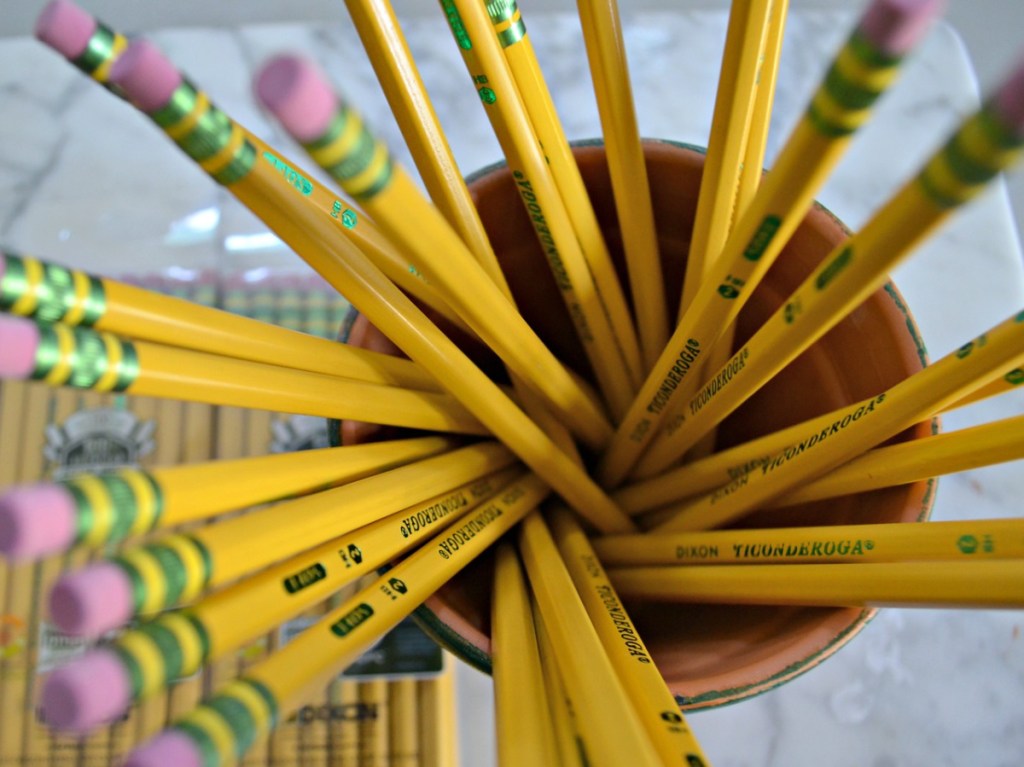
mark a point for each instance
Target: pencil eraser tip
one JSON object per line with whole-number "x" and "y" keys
{"x": 147, "y": 77}
{"x": 65, "y": 27}
{"x": 171, "y": 748}
{"x": 19, "y": 342}
{"x": 895, "y": 26}
{"x": 1009, "y": 100}
{"x": 297, "y": 94}
{"x": 36, "y": 520}
{"x": 89, "y": 691}
{"x": 93, "y": 600}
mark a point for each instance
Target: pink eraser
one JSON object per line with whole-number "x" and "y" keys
{"x": 895, "y": 26}
{"x": 93, "y": 600}
{"x": 146, "y": 76}
{"x": 36, "y": 520}
{"x": 298, "y": 95}
{"x": 170, "y": 748}
{"x": 19, "y": 342}
{"x": 1008, "y": 101}
{"x": 87, "y": 692}
{"x": 65, "y": 27}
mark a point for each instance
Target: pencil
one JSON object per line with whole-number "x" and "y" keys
{"x": 914, "y": 461}
{"x": 392, "y": 312}
{"x": 74, "y": 356}
{"x": 517, "y": 49}
{"x": 984, "y": 145}
{"x": 606, "y": 54}
{"x": 731, "y": 125}
{"x": 144, "y": 660}
{"x": 981, "y": 539}
{"x": 93, "y": 47}
{"x": 281, "y": 682}
{"x": 862, "y": 427}
{"x": 524, "y": 733}
{"x": 993, "y": 584}
{"x": 655, "y": 705}
{"x": 609, "y": 723}
{"x": 337, "y": 139}
{"x": 174, "y": 568}
{"x": 729, "y": 464}
{"x": 865, "y": 65}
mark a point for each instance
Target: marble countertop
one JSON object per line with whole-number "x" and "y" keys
{"x": 86, "y": 181}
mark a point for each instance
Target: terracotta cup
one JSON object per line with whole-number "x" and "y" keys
{"x": 708, "y": 654}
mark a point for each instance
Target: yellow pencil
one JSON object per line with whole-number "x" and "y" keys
{"x": 749, "y": 168}
{"x": 862, "y": 427}
{"x": 262, "y": 187}
{"x": 602, "y": 34}
{"x": 141, "y": 662}
{"x": 337, "y": 139}
{"x": 83, "y": 358}
{"x": 174, "y": 569}
{"x": 524, "y": 733}
{"x": 906, "y": 584}
{"x": 866, "y": 64}
{"x": 727, "y": 465}
{"x": 404, "y": 738}
{"x": 654, "y": 703}
{"x": 981, "y": 539}
{"x": 609, "y": 724}
{"x": 439, "y": 746}
{"x": 505, "y": 108}
{"x": 913, "y": 461}
{"x": 641, "y": 245}
{"x": 297, "y": 672}
{"x": 399, "y": 78}
{"x": 984, "y": 145}
{"x": 730, "y": 129}
{"x": 568, "y": 743}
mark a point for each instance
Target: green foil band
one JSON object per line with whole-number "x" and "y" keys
{"x": 132, "y": 667}
{"x": 239, "y": 165}
{"x": 334, "y": 129}
{"x": 54, "y": 293}
{"x": 199, "y": 736}
{"x": 124, "y": 504}
{"x": 84, "y": 516}
{"x": 178, "y": 106}
{"x": 848, "y": 93}
{"x": 238, "y": 719}
{"x": 137, "y": 583}
{"x": 88, "y": 361}
{"x": 512, "y": 35}
{"x": 210, "y": 134}
{"x": 201, "y": 633}
{"x": 14, "y": 283}
{"x": 98, "y": 51}
{"x": 866, "y": 51}
{"x": 167, "y": 643}
{"x": 173, "y": 570}
{"x": 268, "y": 697}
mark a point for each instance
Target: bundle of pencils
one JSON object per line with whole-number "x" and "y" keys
{"x": 563, "y": 463}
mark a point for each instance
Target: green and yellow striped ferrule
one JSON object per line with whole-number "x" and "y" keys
{"x": 102, "y": 50}
{"x": 85, "y": 359}
{"x": 507, "y": 21}
{"x": 857, "y": 77}
{"x": 171, "y": 571}
{"x": 50, "y": 292}
{"x": 160, "y": 651}
{"x": 352, "y": 155}
{"x": 207, "y": 135}
{"x": 226, "y": 725}
{"x": 113, "y": 506}
{"x": 976, "y": 153}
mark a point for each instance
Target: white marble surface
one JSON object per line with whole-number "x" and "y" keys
{"x": 86, "y": 181}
